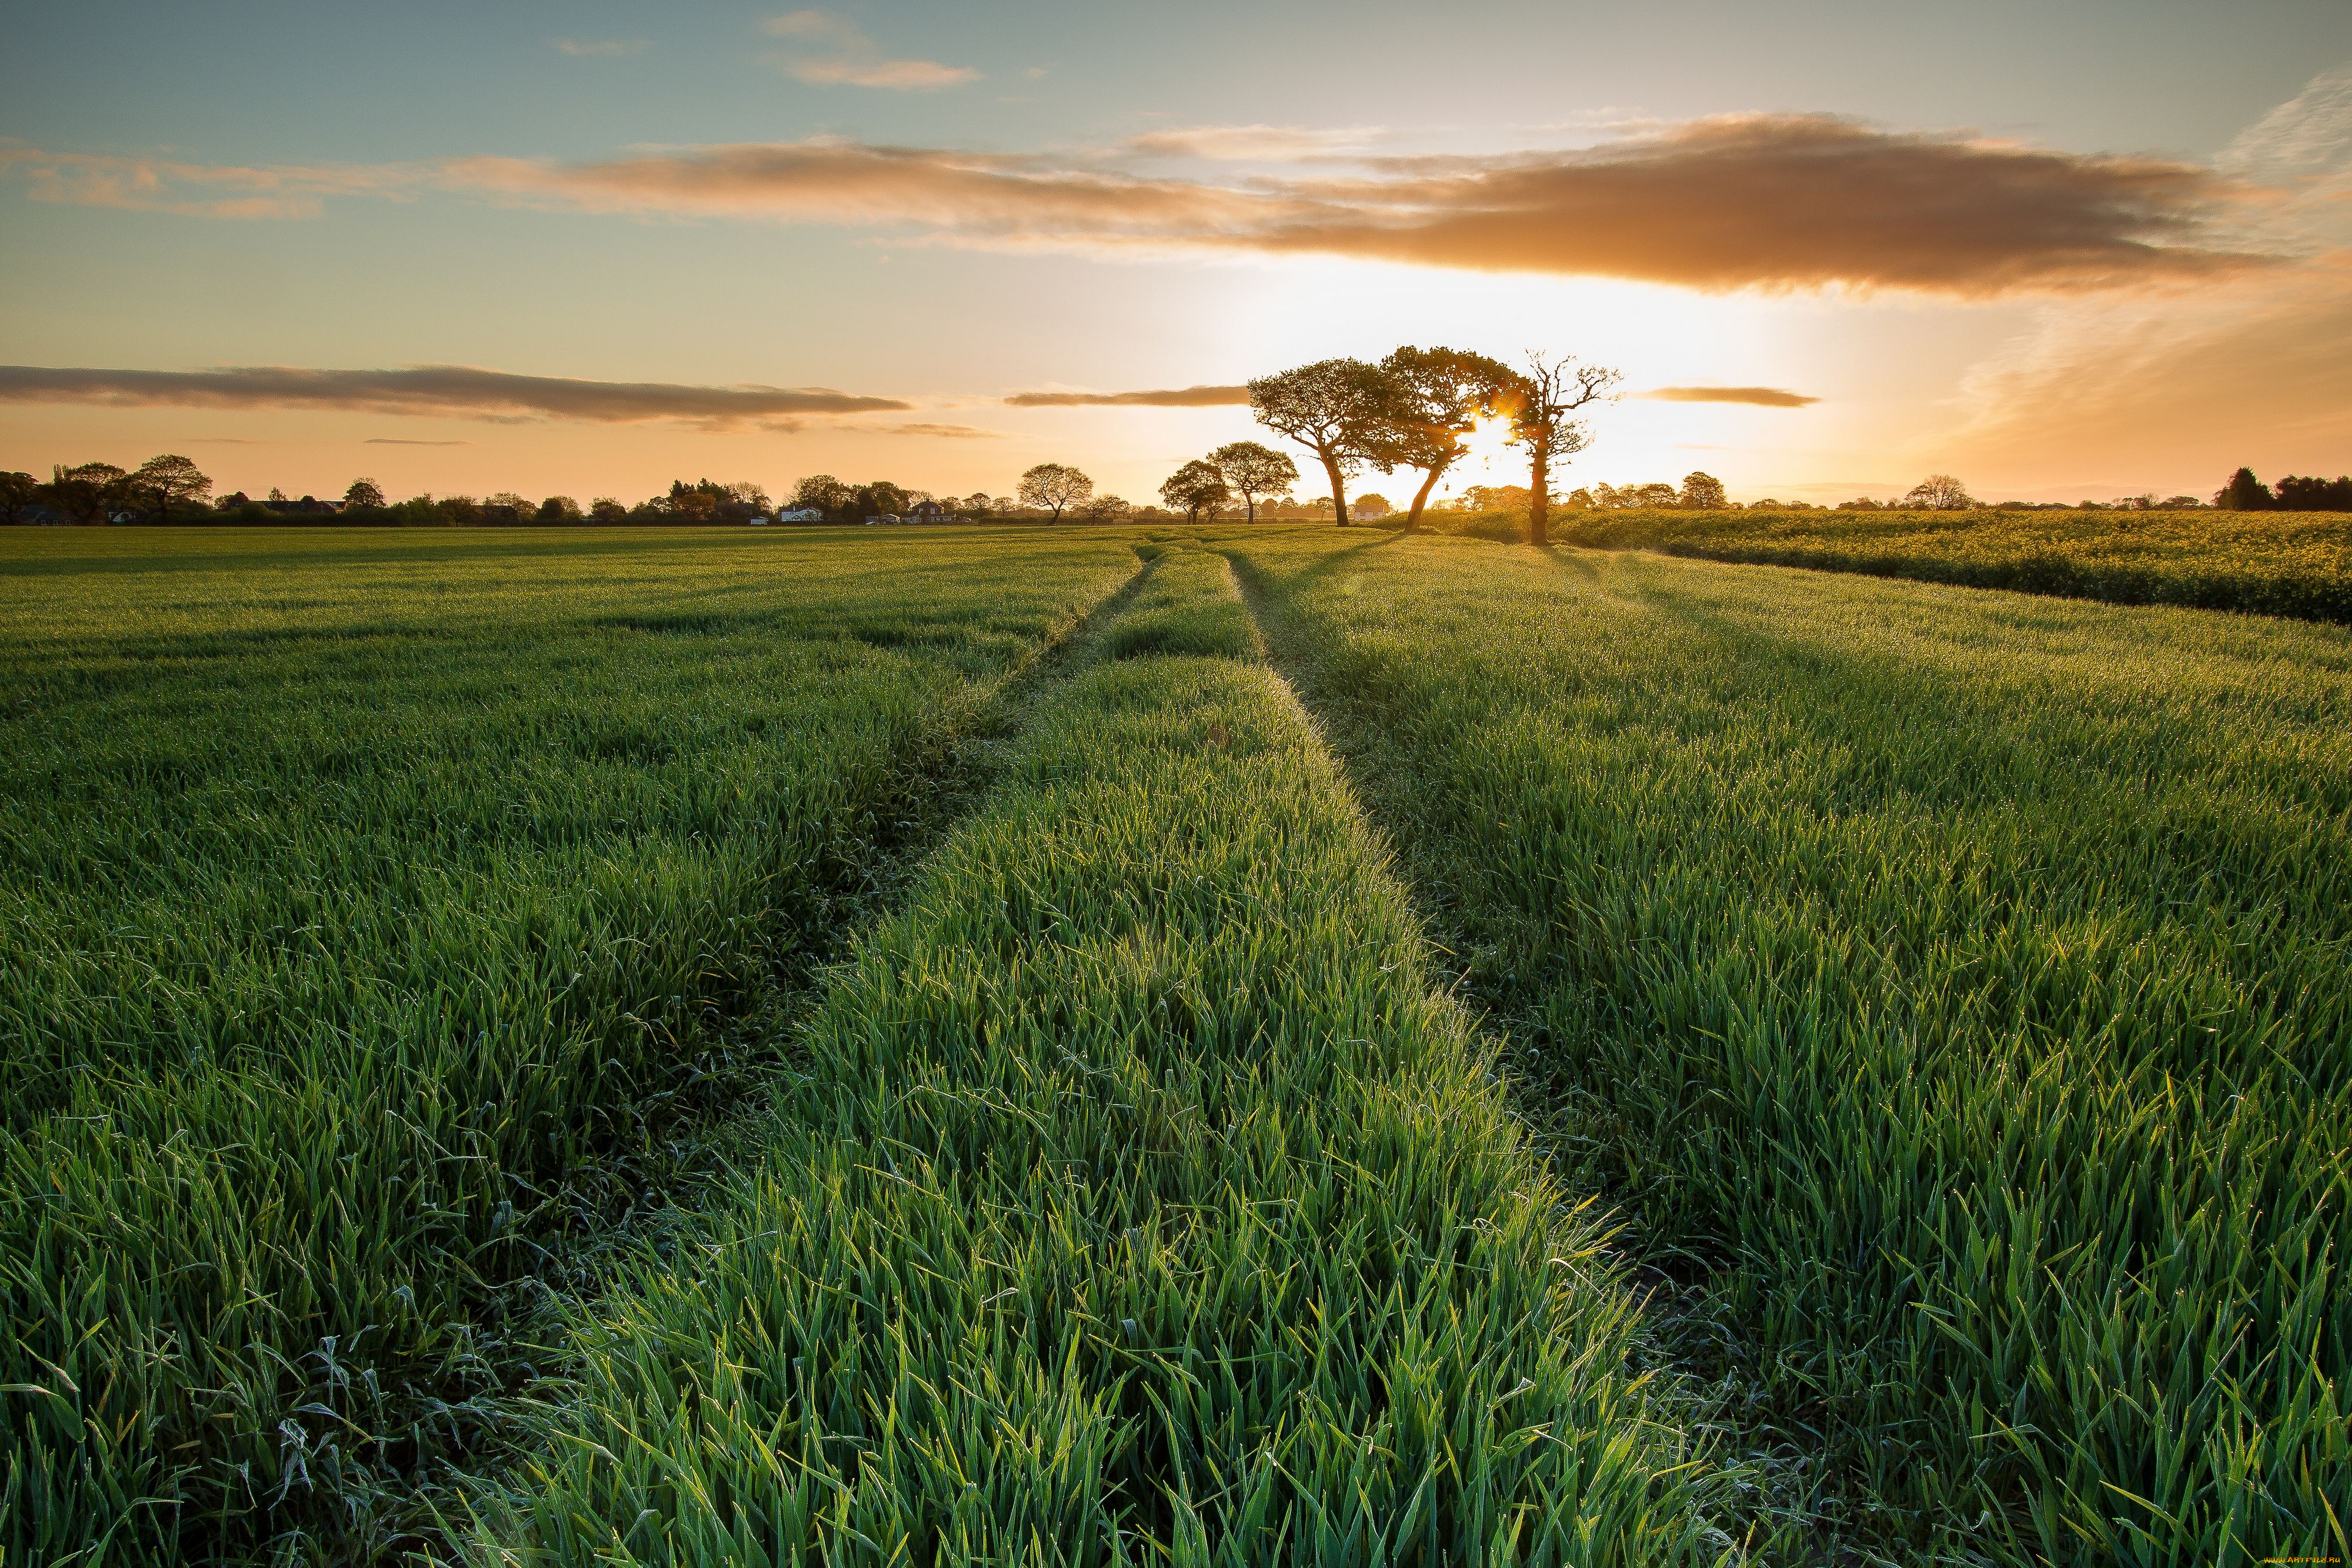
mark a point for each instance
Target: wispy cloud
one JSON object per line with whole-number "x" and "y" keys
{"x": 396, "y": 440}
{"x": 896, "y": 76}
{"x": 463, "y": 391}
{"x": 1760, "y": 397}
{"x": 601, "y": 49}
{"x": 949, "y": 432}
{"x": 200, "y": 190}
{"x": 2310, "y": 134}
{"x": 1252, "y": 143}
{"x": 844, "y": 57}
{"x": 2249, "y": 370}
{"x": 1771, "y": 201}
{"x": 1181, "y": 397}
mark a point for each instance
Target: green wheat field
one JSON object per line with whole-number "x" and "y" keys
{"x": 1221, "y": 1046}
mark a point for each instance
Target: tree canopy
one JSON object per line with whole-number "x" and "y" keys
{"x": 1250, "y": 470}
{"x": 2315, "y": 494}
{"x": 16, "y": 493}
{"x": 822, "y": 493}
{"x": 166, "y": 480}
{"x": 86, "y": 492}
{"x": 1438, "y": 396}
{"x": 1194, "y": 488}
{"x": 1703, "y": 492}
{"x": 1052, "y": 486}
{"x": 1344, "y": 411}
{"x": 1940, "y": 493}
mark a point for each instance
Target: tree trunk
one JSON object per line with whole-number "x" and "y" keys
{"x": 1338, "y": 489}
{"x": 1250, "y": 502}
{"x": 1540, "y": 491}
{"x": 1420, "y": 498}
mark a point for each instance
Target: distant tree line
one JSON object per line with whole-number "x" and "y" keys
{"x": 164, "y": 486}
{"x": 2244, "y": 493}
{"x": 1411, "y": 411}
{"x": 171, "y": 490}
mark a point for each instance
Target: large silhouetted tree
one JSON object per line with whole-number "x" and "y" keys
{"x": 1196, "y": 487}
{"x": 86, "y": 492}
{"x": 1341, "y": 410}
{"x": 165, "y": 480}
{"x": 1940, "y": 493}
{"x": 1542, "y": 404}
{"x": 363, "y": 493}
{"x": 879, "y": 498}
{"x": 1251, "y": 470}
{"x": 2244, "y": 493}
{"x": 1055, "y": 486}
{"x": 16, "y": 493}
{"x": 822, "y": 493}
{"x": 1702, "y": 492}
{"x": 1441, "y": 394}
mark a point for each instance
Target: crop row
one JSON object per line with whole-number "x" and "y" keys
{"x": 2272, "y": 563}
{"x": 1134, "y": 1200}
{"x": 1959, "y": 979}
{"x": 359, "y": 898}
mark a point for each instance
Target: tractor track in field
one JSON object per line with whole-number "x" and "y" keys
{"x": 1691, "y": 1337}
{"x": 943, "y": 788}
{"x": 695, "y": 1125}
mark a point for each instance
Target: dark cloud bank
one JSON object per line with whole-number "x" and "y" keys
{"x": 461, "y": 390}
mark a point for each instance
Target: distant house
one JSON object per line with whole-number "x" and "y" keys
{"x": 307, "y": 504}
{"x": 801, "y": 515}
{"x": 929, "y": 512}
{"x": 758, "y": 519}
{"x": 885, "y": 518}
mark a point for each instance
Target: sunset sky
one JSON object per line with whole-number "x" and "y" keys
{"x": 2062, "y": 249}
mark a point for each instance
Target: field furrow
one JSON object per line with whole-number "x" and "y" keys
{"x": 1135, "y": 1197}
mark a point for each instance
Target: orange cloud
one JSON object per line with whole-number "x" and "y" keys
{"x": 1250, "y": 143}
{"x": 852, "y": 60}
{"x": 1774, "y": 202}
{"x": 199, "y": 190}
{"x": 1769, "y": 202}
{"x": 462, "y": 391}
{"x": 826, "y": 180}
{"x": 1760, "y": 397}
{"x": 1183, "y": 397}
{"x": 1791, "y": 201}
